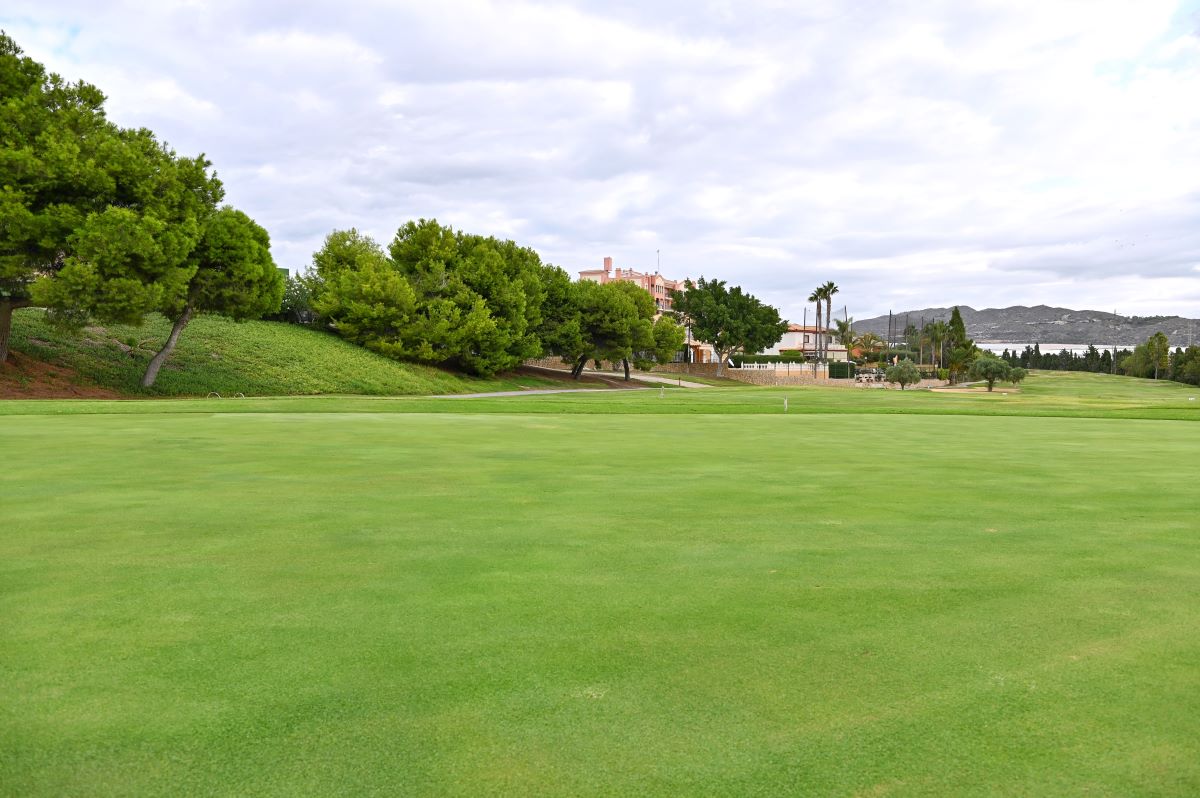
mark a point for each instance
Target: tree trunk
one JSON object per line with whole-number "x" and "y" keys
{"x": 720, "y": 362}
{"x": 164, "y": 353}
{"x": 625, "y": 363}
{"x": 577, "y": 372}
{"x": 819, "y": 343}
{"x": 6, "y": 314}
{"x": 828, "y": 321}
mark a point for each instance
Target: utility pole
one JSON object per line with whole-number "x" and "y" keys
{"x": 1112, "y": 369}
{"x": 921, "y": 340}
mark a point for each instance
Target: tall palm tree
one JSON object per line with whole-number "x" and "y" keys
{"x": 827, "y": 291}
{"x": 815, "y": 297}
{"x": 939, "y": 331}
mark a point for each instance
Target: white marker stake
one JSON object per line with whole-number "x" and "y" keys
{"x": 662, "y": 392}
{"x": 785, "y": 404}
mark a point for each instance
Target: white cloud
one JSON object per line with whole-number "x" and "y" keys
{"x": 923, "y": 153}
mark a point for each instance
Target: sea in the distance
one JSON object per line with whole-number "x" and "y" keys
{"x": 1077, "y": 349}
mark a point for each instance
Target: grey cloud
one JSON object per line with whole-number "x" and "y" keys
{"x": 919, "y": 153}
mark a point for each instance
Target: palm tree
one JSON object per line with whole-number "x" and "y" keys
{"x": 869, "y": 342}
{"x": 958, "y": 360}
{"x": 939, "y": 331}
{"x": 827, "y": 291}
{"x": 922, "y": 340}
{"x": 815, "y": 297}
{"x": 845, "y": 333}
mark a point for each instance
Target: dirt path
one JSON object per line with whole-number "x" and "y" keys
{"x": 655, "y": 378}
{"x": 614, "y": 379}
{"x": 22, "y": 377}
{"x": 531, "y": 392}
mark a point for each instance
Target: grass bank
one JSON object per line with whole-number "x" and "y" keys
{"x": 256, "y": 358}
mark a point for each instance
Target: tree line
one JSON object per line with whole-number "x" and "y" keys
{"x": 104, "y": 223}
{"x": 1152, "y": 359}
{"x": 481, "y": 305}
{"x": 477, "y": 304}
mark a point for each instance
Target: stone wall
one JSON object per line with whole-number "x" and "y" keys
{"x": 798, "y": 376}
{"x": 549, "y": 363}
{"x": 779, "y": 377}
{"x": 702, "y": 369}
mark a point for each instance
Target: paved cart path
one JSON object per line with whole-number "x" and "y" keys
{"x": 533, "y": 392}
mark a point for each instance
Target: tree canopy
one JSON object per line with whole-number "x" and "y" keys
{"x": 727, "y": 319}
{"x": 961, "y": 349}
{"x": 1185, "y": 365}
{"x": 990, "y": 369}
{"x": 438, "y": 296}
{"x": 905, "y": 373}
{"x": 99, "y": 222}
{"x": 232, "y": 274}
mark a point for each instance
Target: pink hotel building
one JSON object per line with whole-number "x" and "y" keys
{"x": 656, "y": 285}
{"x": 798, "y": 338}
{"x": 659, "y": 288}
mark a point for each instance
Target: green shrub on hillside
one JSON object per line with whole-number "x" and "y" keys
{"x": 255, "y": 358}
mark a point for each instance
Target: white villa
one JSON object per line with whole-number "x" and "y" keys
{"x": 799, "y": 338}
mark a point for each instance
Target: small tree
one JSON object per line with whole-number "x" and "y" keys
{"x": 990, "y": 369}
{"x": 727, "y": 319}
{"x": 296, "y": 307}
{"x": 905, "y": 372}
{"x": 96, "y": 222}
{"x": 962, "y": 350}
{"x": 1017, "y": 375}
{"x": 1158, "y": 350}
{"x": 845, "y": 333}
{"x": 233, "y": 276}
{"x": 668, "y": 339}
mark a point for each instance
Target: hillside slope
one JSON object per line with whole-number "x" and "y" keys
{"x": 256, "y": 358}
{"x": 1041, "y": 323}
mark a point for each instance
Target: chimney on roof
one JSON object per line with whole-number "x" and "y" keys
{"x": 608, "y": 264}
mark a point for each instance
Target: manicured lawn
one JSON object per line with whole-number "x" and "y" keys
{"x": 551, "y": 598}
{"x": 1046, "y": 394}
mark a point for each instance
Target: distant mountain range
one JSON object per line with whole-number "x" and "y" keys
{"x": 1047, "y": 325}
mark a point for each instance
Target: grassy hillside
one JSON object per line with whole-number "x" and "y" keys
{"x": 257, "y": 358}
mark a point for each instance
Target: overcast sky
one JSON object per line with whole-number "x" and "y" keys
{"x": 917, "y": 153}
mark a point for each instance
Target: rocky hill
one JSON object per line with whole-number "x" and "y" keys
{"x": 1044, "y": 324}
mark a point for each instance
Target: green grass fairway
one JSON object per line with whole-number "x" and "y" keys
{"x": 864, "y": 598}
{"x": 1047, "y": 394}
